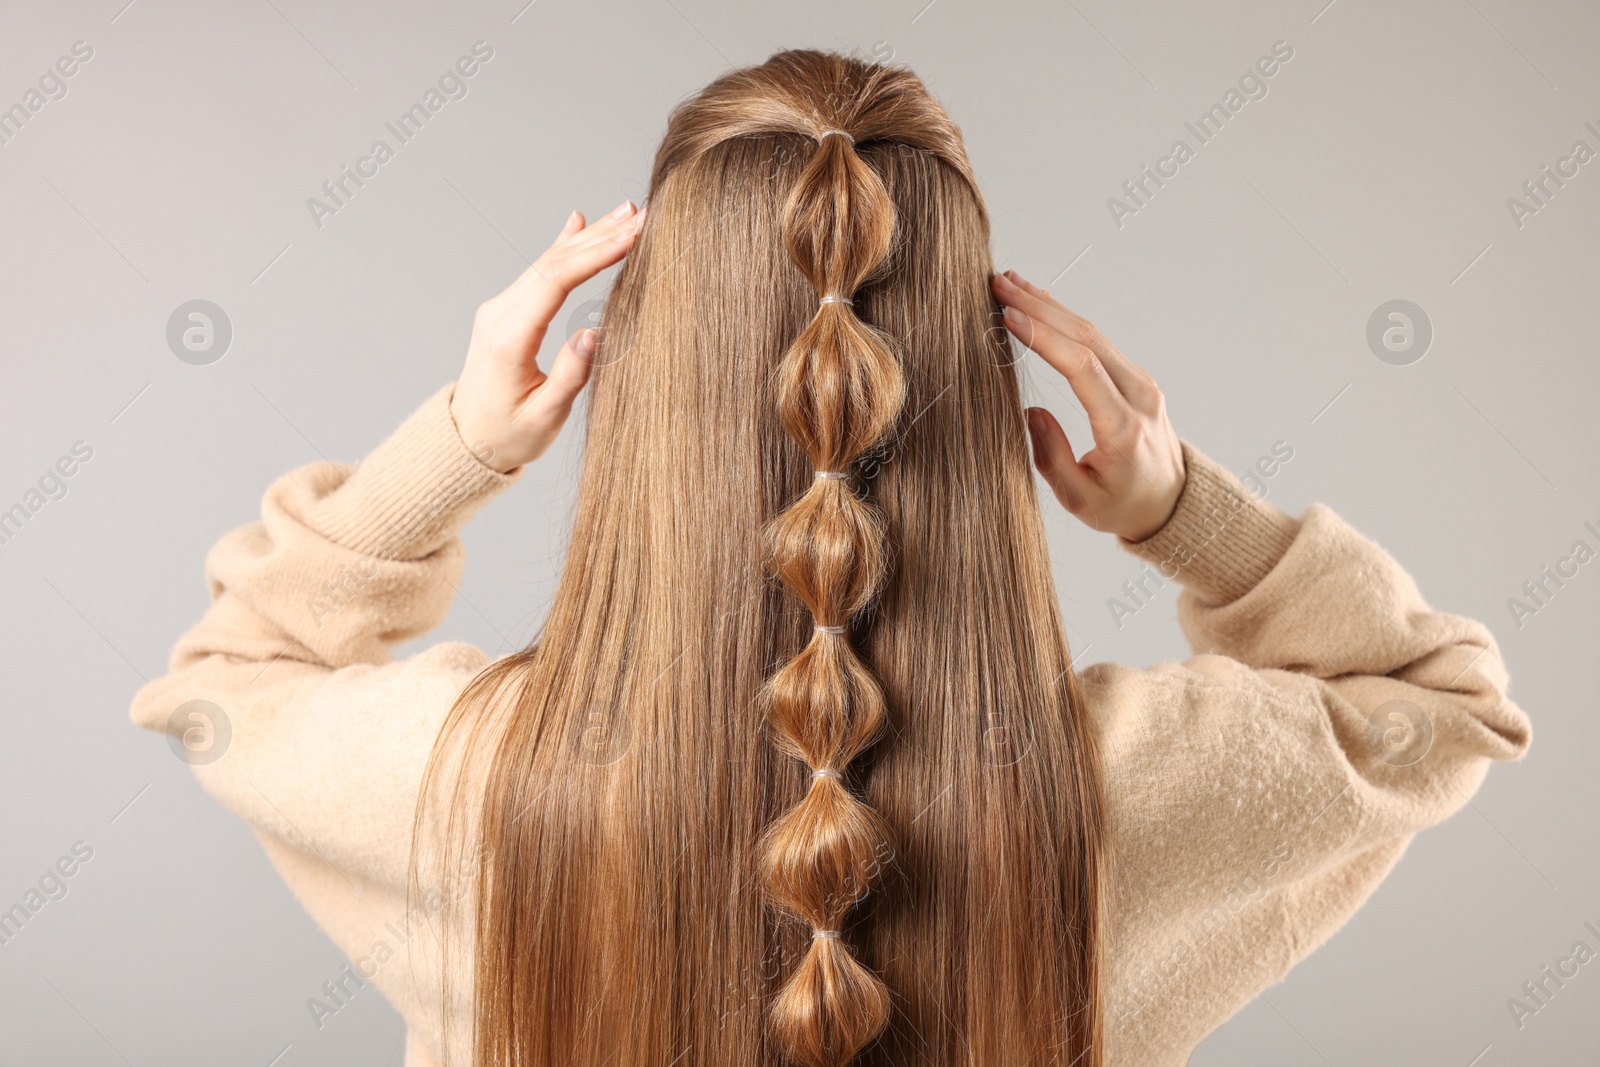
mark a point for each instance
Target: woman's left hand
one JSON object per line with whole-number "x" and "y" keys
{"x": 507, "y": 409}
{"x": 1129, "y": 482}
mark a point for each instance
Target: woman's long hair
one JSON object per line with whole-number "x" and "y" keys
{"x": 797, "y": 770}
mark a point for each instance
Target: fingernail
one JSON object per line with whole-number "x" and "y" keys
{"x": 621, "y": 210}
{"x": 1015, "y": 316}
{"x": 630, "y": 229}
{"x": 1016, "y": 279}
{"x": 586, "y": 342}
{"x": 1005, "y": 283}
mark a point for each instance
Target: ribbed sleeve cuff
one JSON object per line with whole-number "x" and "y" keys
{"x": 1221, "y": 539}
{"x": 414, "y": 491}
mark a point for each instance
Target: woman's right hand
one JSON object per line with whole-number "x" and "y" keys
{"x": 503, "y": 403}
{"x": 1129, "y": 483}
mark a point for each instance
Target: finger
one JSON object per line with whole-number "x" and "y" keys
{"x": 617, "y": 220}
{"x": 1131, "y": 380}
{"x": 574, "y": 224}
{"x": 570, "y": 262}
{"x": 552, "y": 400}
{"x": 607, "y": 229}
{"x": 532, "y": 306}
{"x": 576, "y": 233}
{"x": 598, "y": 236}
{"x": 1134, "y": 381}
{"x": 1052, "y": 454}
{"x": 536, "y": 308}
{"x": 1104, "y": 403}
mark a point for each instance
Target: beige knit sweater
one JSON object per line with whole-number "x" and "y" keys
{"x": 1256, "y": 793}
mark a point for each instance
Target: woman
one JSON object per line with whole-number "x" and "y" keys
{"x": 799, "y": 769}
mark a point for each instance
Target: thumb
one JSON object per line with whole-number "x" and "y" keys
{"x": 569, "y": 373}
{"x": 547, "y": 409}
{"x": 1052, "y": 454}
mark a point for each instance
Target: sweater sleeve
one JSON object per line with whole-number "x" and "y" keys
{"x": 1257, "y": 793}
{"x": 285, "y": 696}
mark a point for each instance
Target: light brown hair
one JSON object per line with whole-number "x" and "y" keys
{"x": 661, "y": 847}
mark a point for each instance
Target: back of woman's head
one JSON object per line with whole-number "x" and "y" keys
{"x": 797, "y": 770}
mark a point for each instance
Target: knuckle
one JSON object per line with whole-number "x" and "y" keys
{"x": 1113, "y": 424}
{"x": 504, "y": 339}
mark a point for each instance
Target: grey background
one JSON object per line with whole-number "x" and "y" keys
{"x": 1378, "y": 167}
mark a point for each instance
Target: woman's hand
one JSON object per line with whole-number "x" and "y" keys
{"x": 1129, "y": 483}
{"x": 507, "y": 409}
